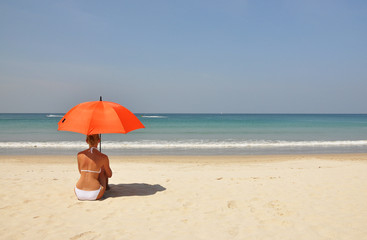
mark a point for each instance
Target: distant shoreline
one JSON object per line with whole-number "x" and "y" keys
{"x": 188, "y": 158}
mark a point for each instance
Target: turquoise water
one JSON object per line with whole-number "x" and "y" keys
{"x": 193, "y": 134}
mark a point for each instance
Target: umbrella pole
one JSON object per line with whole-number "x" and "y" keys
{"x": 100, "y": 135}
{"x": 100, "y": 142}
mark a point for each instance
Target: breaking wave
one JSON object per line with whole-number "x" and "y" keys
{"x": 153, "y": 116}
{"x": 54, "y": 116}
{"x": 188, "y": 144}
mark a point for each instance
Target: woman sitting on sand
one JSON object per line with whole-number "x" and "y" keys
{"x": 94, "y": 168}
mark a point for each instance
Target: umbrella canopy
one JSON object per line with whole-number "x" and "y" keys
{"x": 99, "y": 117}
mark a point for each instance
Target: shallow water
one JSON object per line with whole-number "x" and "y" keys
{"x": 191, "y": 134}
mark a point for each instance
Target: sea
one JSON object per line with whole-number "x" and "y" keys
{"x": 194, "y": 134}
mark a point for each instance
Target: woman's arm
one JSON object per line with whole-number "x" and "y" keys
{"x": 107, "y": 168}
{"x": 78, "y": 159}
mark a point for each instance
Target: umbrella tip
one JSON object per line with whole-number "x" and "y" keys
{"x": 100, "y": 98}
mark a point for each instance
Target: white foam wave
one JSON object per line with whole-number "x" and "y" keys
{"x": 50, "y": 145}
{"x": 194, "y": 144}
{"x": 54, "y": 116}
{"x": 153, "y": 116}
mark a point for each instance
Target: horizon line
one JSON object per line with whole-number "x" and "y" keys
{"x": 219, "y": 113}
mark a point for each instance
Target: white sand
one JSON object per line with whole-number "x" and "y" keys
{"x": 219, "y": 197}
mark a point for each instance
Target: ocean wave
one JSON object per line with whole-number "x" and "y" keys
{"x": 54, "y": 116}
{"x": 45, "y": 145}
{"x": 194, "y": 144}
{"x": 153, "y": 116}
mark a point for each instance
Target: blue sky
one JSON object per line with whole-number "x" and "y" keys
{"x": 286, "y": 56}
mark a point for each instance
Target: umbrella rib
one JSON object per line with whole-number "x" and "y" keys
{"x": 120, "y": 122}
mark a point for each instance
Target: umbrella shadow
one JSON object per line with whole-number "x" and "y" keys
{"x": 132, "y": 189}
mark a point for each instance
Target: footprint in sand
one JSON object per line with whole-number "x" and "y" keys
{"x": 233, "y": 231}
{"x": 231, "y": 204}
{"x": 187, "y": 204}
{"x": 278, "y": 208}
{"x": 75, "y": 204}
{"x": 86, "y": 235}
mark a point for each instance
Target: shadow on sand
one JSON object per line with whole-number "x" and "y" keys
{"x": 132, "y": 189}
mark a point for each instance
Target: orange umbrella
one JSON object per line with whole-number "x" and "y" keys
{"x": 99, "y": 117}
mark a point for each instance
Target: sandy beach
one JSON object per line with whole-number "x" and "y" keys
{"x": 189, "y": 197}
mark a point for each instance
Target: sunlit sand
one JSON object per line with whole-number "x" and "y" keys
{"x": 189, "y": 197}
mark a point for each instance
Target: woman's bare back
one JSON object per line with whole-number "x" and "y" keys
{"x": 91, "y": 163}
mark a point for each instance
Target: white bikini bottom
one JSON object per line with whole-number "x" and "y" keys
{"x": 87, "y": 195}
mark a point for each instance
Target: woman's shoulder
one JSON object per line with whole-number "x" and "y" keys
{"x": 97, "y": 154}
{"x": 102, "y": 155}
{"x": 82, "y": 152}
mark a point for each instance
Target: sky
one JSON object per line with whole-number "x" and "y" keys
{"x": 192, "y": 56}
